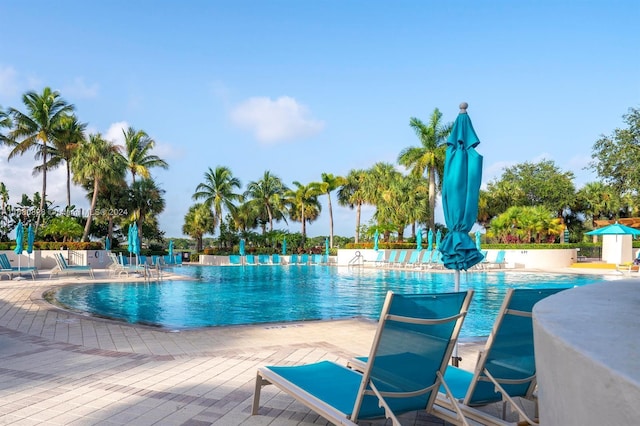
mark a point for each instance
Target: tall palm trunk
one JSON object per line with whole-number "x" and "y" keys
{"x": 358, "y": 213}
{"x": 94, "y": 201}
{"x": 44, "y": 186}
{"x": 432, "y": 198}
{"x": 330, "y": 223}
{"x": 68, "y": 185}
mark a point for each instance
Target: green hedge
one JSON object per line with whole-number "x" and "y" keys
{"x": 50, "y": 245}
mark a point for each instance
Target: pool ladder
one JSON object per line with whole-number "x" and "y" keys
{"x": 356, "y": 260}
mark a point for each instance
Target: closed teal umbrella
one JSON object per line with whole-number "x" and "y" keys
{"x": 460, "y": 192}
{"x": 31, "y": 237}
{"x": 376, "y": 239}
{"x": 419, "y": 239}
{"x": 19, "y": 242}
{"x": 241, "y": 247}
{"x": 430, "y": 239}
{"x": 438, "y": 239}
{"x": 326, "y": 246}
{"x": 478, "y": 240}
{"x": 133, "y": 241}
{"x": 284, "y": 246}
{"x": 107, "y": 244}
{"x": 19, "y": 239}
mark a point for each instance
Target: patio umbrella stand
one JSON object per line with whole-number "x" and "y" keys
{"x": 460, "y": 192}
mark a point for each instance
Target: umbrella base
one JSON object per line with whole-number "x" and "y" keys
{"x": 18, "y": 278}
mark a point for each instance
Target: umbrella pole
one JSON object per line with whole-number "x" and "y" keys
{"x": 19, "y": 277}
{"x": 455, "y": 359}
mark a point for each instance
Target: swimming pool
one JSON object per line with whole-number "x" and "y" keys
{"x": 219, "y": 296}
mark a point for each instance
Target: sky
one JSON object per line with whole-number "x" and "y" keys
{"x": 301, "y": 88}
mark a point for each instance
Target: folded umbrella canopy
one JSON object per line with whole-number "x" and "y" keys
{"x": 430, "y": 239}
{"x": 19, "y": 241}
{"x": 284, "y": 246}
{"x": 241, "y": 247}
{"x": 419, "y": 239}
{"x": 460, "y": 191}
{"x": 376, "y": 239}
{"x": 31, "y": 237}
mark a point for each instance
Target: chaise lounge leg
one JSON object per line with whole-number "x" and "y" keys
{"x": 260, "y": 382}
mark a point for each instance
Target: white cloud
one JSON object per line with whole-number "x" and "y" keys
{"x": 114, "y": 133}
{"x": 17, "y": 175}
{"x": 79, "y": 89}
{"x": 277, "y": 120}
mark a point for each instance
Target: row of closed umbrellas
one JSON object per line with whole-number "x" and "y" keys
{"x": 376, "y": 239}
{"x": 243, "y": 251}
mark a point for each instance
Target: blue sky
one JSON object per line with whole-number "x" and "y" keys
{"x": 305, "y": 87}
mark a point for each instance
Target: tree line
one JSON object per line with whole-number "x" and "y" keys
{"x": 529, "y": 202}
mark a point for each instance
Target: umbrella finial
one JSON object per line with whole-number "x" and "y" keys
{"x": 463, "y": 107}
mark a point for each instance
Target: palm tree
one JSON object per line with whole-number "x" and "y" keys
{"x": 198, "y": 221}
{"x": 429, "y": 156}
{"x": 598, "y": 201}
{"x": 352, "y": 194}
{"x": 138, "y": 147}
{"x": 94, "y": 161}
{"x": 70, "y": 133}
{"x": 5, "y": 212}
{"x": 246, "y": 216}
{"x": 217, "y": 191}
{"x": 304, "y": 204}
{"x": 329, "y": 184}
{"x": 5, "y": 121}
{"x": 146, "y": 201}
{"x": 37, "y": 129}
{"x": 381, "y": 187}
{"x": 268, "y": 193}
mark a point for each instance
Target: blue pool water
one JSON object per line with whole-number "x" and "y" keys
{"x": 220, "y": 296}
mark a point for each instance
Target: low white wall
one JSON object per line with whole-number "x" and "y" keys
{"x": 44, "y": 260}
{"x": 531, "y": 259}
{"x": 587, "y": 344}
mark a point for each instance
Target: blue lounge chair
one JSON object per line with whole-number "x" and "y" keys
{"x": 499, "y": 262}
{"x": 426, "y": 259}
{"x": 379, "y": 259}
{"x": 293, "y": 259}
{"x": 304, "y": 259}
{"x": 402, "y": 257}
{"x": 263, "y": 259}
{"x": 392, "y": 258}
{"x": 506, "y": 368}
{"x": 483, "y": 263}
{"x": 436, "y": 260}
{"x": 410, "y": 351}
{"x": 250, "y": 259}
{"x": 235, "y": 259}
{"x": 11, "y": 271}
{"x": 275, "y": 259}
{"x": 63, "y": 267}
{"x": 413, "y": 259}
